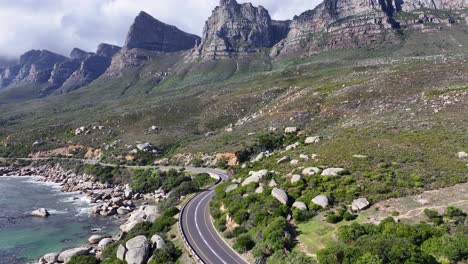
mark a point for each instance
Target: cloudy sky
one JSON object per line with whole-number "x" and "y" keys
{"x": 60, "y": 25}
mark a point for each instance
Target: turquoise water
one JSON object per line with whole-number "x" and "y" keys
{"x": 25, "y": 238}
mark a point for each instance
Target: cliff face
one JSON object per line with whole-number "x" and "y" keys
{"x": 91, "y": 68}
{"x": 149, "y": 33}
{"x": 239, "y": 28}
{"x": 34, "y": 66}
{"x": 338, "y": 24}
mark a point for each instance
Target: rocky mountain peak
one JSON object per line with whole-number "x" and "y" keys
{"x": 228, "y": 3}
{"x": 238, "y": 28}
{"x": 151, "y": 34}
{"x": 107, "y": 50}
{"x": 79, "y": 54}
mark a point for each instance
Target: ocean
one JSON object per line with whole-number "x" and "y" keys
{"x": 24, "y": 238}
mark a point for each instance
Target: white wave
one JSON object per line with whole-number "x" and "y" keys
{"x": 57, "y": 212}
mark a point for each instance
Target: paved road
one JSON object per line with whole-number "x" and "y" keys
{"x": 200, "y": 232}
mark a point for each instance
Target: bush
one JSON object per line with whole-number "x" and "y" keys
{"x": 333, "y": 218}
{"x": 302, "y": 215}
{"x": 168, "y": 254}
{"x": 280, "y": 257}
{"x": 243, "y": 243}
{"x": 113, "y": 260}
{"x": 83, "y": 260}
{"x": 239, "y": 231}
{"x": 348, "y": 216}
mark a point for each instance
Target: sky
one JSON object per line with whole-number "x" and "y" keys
{"x": 60, "y": 25}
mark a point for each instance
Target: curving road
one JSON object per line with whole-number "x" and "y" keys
{"x": 199, "y": 231}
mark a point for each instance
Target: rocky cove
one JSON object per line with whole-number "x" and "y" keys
{"x": 118, "y": 202}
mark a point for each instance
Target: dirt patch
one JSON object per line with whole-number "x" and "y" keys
{"x": 411, "y": 209}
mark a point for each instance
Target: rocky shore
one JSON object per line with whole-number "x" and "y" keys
{"x": 107, "y": 200}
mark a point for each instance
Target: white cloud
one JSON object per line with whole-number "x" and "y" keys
{"x": 60, "y": 25}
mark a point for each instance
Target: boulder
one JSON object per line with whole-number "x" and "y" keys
{"x": 130, "y": 225}
{"x": 291, "y": 130}
{"x": 294, "y": 162}
{"x": 123, "y": 210}
{"x": 66, "y": 255}
{"x": 299, "y": 205}
{"x": 41, "y": 212}
{"x": 360, "y": 204}
{"x": 284, "y": 160}
{"x": 332, "y": 171}
{"x": 105, "y": 242}
{"x": 158, "y": 242}
{"x": 94, "y": 239}
{"x": 138, "y": 250}
{"x": 256, "y": 176}
{"x": 295, "y": 178}
{"x": 50, "y": 258}
{"x": 360, "y": 156}
{"x": 280, "y": 195}
{"x": 121, "y": 251}
{"x": 231, "y": 188}
{"x": 310, "y": 171}
{"x": 462, "y": 155}
{"x": 292, "y": 146}
{"x": 272, "y": 183}
{"x": 259, "y": 190}
{"x": 259, "y": 157}
{"x": 312, "y": 140}
{"x": 321, "y": 200}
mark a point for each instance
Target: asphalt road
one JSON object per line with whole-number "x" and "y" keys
{"x": 199, "y": 231}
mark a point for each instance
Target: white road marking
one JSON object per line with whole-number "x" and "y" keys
{"x": 201, "y": 235}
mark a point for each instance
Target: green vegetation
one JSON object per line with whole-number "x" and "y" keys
{"x": 178, "y": 182}
{"x": 84, "y": 260}
{"x": 392, "y": 242}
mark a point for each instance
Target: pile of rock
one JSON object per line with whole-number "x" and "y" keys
{"x": 138, "y": 249}
{"x": 145, "y": 213}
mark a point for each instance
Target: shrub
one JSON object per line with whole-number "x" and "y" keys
{"x": 302, "y": 215}
{"x": 168, "y": 254}
{"x": 243, "y": 243}
{"x": 113, "y": 260}
{"x": 348, "y": 216}
{"x": 333, "y": 218}
{"x": 83, "y": 260}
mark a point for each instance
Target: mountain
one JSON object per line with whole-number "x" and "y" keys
{"x": 34, "y": 67}
{"x": 324, "y": 69}
{"x": 90, "y": 68}
{"x": 149, "y": 33}
{"x": 339, "y": 24}
{"x": 239, "y": 28}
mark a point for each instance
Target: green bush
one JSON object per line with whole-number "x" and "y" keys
{"x": 281, "y": 257}
{"x": 83, "y": 260}
{"x": 168, "y": 254}
{"x": 302, "y": 215}
{"x": 113, "y": 260}
{"x": 243, "y": 243}
{"x": 334, "y": 218}
{"x": 348, "y": 216}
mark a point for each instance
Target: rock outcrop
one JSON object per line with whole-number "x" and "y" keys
{"x": 149, "y": 33}
{"x": 239, "y": 28}
{"x": 91, "y": 68}
{"x": 35, "y": 66}
{"x": 339, "y": 24}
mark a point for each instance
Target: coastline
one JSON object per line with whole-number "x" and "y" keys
{"x": 110, "y": 198}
